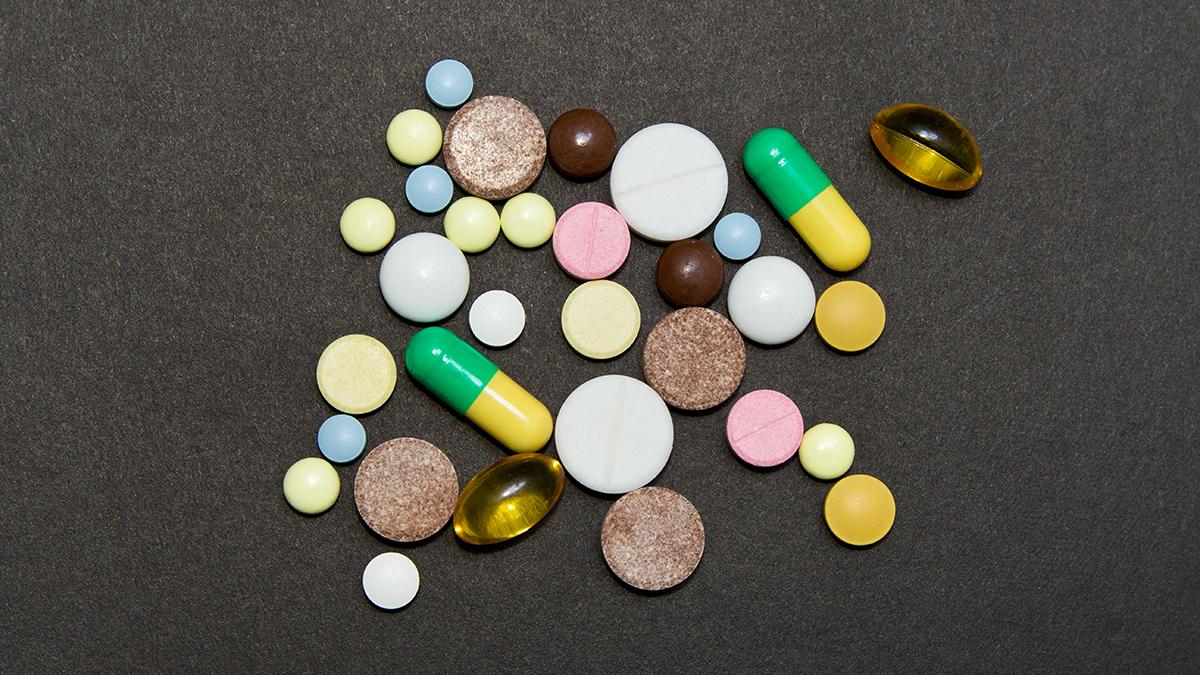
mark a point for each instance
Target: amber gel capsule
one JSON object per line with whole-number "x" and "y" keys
{"x": 802, "y": 194}
{"x": 475, "y": 387}
{"x": 507, "y": 498}
{"x": 927, "y": 145}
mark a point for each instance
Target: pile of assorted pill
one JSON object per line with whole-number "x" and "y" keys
{"x": 613, "y": 434}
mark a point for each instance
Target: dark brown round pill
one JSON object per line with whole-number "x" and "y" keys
{"x": 406, "y": 489}
{"x": 694, "y": 358}
{"x": 494, "y": 147}
{"x": 652, "y": 538}
{"x": 583, "y": 144}
{"x": 690, "y": 273}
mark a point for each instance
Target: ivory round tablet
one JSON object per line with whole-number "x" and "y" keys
{"x": 356, "y": 374}
{"x": 601, "y": 319}
{"x": 669, "y": 182}
{"x": 424, "y": 277}
{"x": 771, "y": 300}
{"x": 614, "y": 434}
{"x": 497, "y": 318}
{"x": 391, "y": 580}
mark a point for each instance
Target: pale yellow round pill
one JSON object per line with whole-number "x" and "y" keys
{"x": 367, "y": 225}
{"x": 826, "y": 451}
{"x": 527, "y": 220}
{"x": 311, "y": 486}
{"x": 356, "y": 374}
{"x": 414, "y": 137}
{"x": 601, "y": 319}
{"x": 472, "y": 224}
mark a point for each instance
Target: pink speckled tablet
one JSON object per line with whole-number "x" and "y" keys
{"x": 591, "y": 240}
{"x": 764, "y": 428}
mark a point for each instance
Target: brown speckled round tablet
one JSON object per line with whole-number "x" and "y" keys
{"x": 652, "y": 538}
{"x": 694, "y": 358}
{"x": 494, "y": 147}
{"x": 405, "y": 489}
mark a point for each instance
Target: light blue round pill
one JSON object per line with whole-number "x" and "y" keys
{"x": 341, "y": 438}
{"x": 449, "y": 83}
{"x": 429, "y": 188}
{"x": 737, "y": 236}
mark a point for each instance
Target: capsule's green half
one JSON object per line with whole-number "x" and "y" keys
{"x": 475, "y": 387}
{"x": 803, "y": 195}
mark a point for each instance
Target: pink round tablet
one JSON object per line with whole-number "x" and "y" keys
{"x": 764, "y": 428}
{"x": 591, "y": 240}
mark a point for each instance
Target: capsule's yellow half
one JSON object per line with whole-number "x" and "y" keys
{"x": 833, "y": 231}
{"x": 511, "y": 415}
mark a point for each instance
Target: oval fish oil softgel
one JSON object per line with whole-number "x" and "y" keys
{"x": 927, "y": 145}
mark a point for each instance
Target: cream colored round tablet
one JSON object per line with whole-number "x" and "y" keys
{"x": 601, "y": 319}
{"x": 311, "y": 486}
{"x": 414, "y": 137}
{"x": 367, "y": 225}
{"x": 472, "y": 224}
{"x": 356, "y": 374}
{"x": 527, "y": 220}
{"x": 826, "y": 451}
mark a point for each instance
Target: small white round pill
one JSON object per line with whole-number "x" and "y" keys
{"x": 424, "y": 277}
{"x": 614, "y": 434}
{"x": 771, "y": 300}
{"x": 391, "y": 580}
{"x": 669, "y": 182}
{"x": 497, "y": 318}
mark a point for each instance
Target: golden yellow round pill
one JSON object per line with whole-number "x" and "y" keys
{"x": 850, "y": 316}
{"x": 860, "y": 509}
{"x": 356, "y": 374}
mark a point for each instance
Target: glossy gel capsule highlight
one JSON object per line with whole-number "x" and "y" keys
{"x": 803, "y": 195}
{"x": 475, "y": 387}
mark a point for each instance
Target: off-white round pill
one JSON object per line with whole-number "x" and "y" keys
{"x": 669, "y": 182}
{"x": 424, "y": 277}
{"x": 601, "y": 319}
{"x": 771, "y": 300}
{"x": 391, "y": 580}
{"x": 614, "y": 434}
{"x": 497, "y": 318}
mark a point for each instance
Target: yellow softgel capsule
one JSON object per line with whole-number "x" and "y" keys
{"x": 367, "y": 225}
{"x": 601, "y": 319}
{"x": 508, "y": 498}
{"x": 927, "y": 145}
{"x": 311, "y": 486}
{"x": 356, "y": 374}
{"x": 860, "y": 509}
{"x": 826, "y": 451}
{"x": 414, "y": 137}
{"x": 527, "y": 220}
{"x": 472, "y": 224}
{"x": 850, "y": 316}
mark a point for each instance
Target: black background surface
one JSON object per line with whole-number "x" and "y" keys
{"x": 172, "y": 179}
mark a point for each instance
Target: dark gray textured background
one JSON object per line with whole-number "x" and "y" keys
{"x": 171, "y": 184}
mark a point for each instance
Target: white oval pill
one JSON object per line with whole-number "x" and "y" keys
{"x": 424, "y": 277}
{"x": 614, "y": 434}
{"x": 497, "y": 318}
{"x": 669, "y": 182}
{"x": 771, "y": 300}
{"x": 391, "y": 580}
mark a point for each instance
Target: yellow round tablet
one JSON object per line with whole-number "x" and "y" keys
{"x": 311, "y": 486}
{"x": 414, "y": 137}
{"x": 860, "y": 509}
{"x": 600, "y": 319}
{"x": 367, "y": 225}
{"x": 472, "y": 224}
{"x": 850, "y": 316}
{"x": 826, "y": 451}
{"x": 527, "y": 220}
{"x": 356, "y": 374}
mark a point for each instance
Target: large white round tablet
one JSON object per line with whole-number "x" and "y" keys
{"x": 497, "y": 318}
{"x": 391, "y": 580}
{"x": 424, "y": 277}
{"x": 669, "y": 182}
{"x": 771, "y": 300}
{"x": 614, "y": 434}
